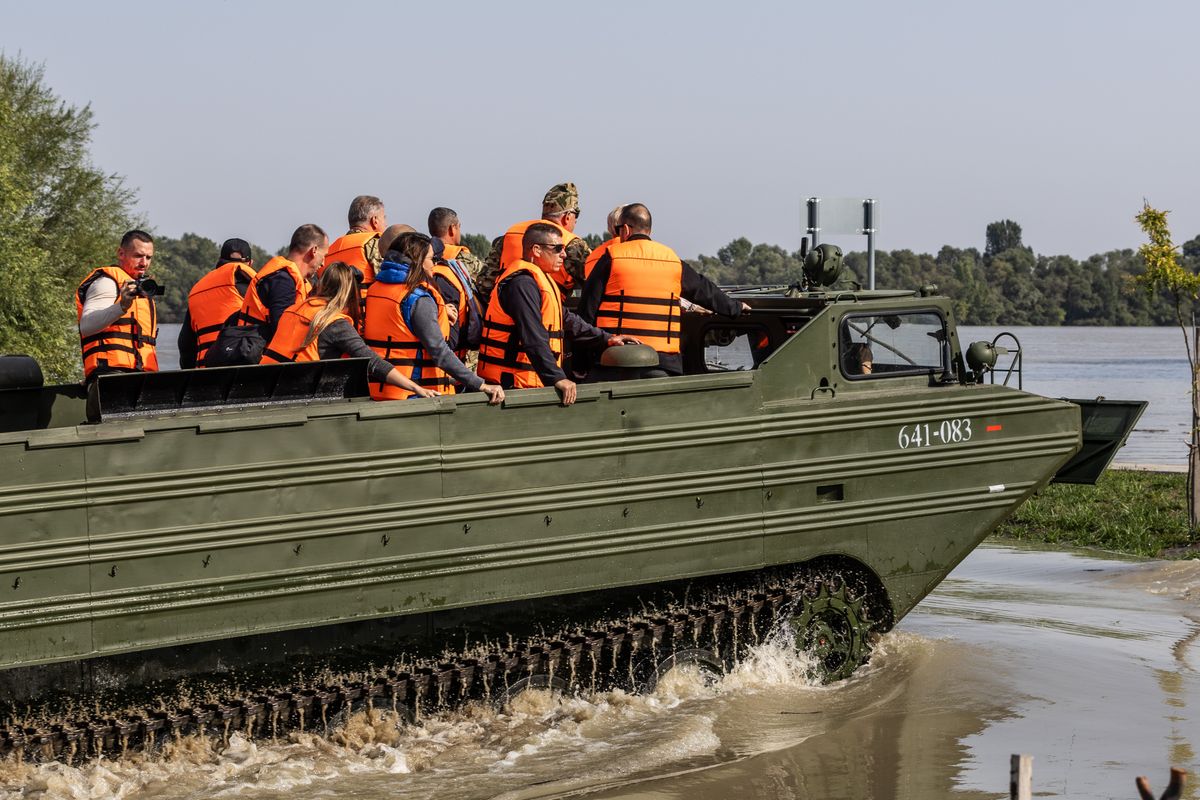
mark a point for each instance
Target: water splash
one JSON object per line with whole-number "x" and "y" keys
{"x": 596, "y": 738}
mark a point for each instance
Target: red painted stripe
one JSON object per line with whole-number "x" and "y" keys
{"x": 993, "y": 428}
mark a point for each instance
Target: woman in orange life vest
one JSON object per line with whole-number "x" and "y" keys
{"x": 324, "y": 326}
{"x": 407, "y": 323}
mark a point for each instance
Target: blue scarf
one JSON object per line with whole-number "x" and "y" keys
{"x": 392, "y": 272}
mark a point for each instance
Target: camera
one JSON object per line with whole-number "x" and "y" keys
{"x": 148, "y": 287}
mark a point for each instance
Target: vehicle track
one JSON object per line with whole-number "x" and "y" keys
{"x": 828, "y": 614}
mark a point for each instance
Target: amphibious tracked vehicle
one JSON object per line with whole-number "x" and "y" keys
{"x": 827, "y": 459}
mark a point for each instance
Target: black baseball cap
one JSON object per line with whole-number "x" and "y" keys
{"x": 231, "y": 246}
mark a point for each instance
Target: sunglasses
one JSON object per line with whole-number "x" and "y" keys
{"x": 553, "y": 248}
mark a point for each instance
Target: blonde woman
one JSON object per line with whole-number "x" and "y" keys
{"x": 325, "y": 326}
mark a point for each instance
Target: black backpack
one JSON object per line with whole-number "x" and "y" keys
{"x": 236, "y": 346}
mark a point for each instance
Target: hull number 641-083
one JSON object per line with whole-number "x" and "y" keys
{"x": 926, "y": 434}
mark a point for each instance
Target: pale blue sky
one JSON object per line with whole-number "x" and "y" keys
{"x": 247, "y": 119}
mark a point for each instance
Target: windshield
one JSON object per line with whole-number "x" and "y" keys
{"x": 882, "y": 345}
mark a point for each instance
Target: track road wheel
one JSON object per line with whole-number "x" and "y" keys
{"x": 520, "y": 692}
{"x": 692, "y": 659}
{"x": 831, "y": 626}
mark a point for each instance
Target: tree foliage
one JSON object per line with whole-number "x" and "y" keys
{"x": 478, "y": 244}
{"x": 59, "y": 217}
{"x": 1002, "y": 235}
{"x": 1011, "y": 286}
{"x": 1166, "y": 274}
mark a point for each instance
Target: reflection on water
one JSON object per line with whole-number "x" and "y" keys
{"x": 1089, "y": 665}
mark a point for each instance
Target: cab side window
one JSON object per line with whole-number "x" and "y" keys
{"x": 731, "y": 348}
{"x": 885, "y": 345}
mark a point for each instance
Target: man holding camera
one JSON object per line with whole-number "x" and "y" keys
{"x": 118, "y": 322}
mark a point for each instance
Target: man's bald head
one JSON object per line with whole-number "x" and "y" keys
{"x": 637, "y": 217}
{"x": 391, "y": 234}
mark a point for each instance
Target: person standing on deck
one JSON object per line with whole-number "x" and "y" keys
{"x": 526, "y": 326}
{"x": 636, "y": 286}
{"x": 118, "y": 324}
{"x": 360, "y": 246}
{"x": 444, "y": 224}
{"x": 560, "y": 208}
{"x": 212, "y": 299}
{"x": 283, "y": 281}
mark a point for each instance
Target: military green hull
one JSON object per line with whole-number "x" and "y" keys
{"x": 161, "y": 530}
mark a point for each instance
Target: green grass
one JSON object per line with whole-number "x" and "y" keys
{"x": 1141, "y": 513}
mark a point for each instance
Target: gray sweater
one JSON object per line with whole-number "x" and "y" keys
{"x": 424, "y": 324}
{"x": 339, "y": 338}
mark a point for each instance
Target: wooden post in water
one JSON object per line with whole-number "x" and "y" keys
{"x": 1193, "y": 485}
{"x": 1020, "y": 778}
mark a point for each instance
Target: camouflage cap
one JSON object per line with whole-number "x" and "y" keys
{"x": 562, "y": 197}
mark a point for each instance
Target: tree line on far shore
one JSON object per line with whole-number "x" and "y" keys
{"x": 1006, "y": 284}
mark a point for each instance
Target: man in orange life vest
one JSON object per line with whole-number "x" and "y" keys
{"x": 360, "y": 246}
{"x": 635, "y": 288}
{"x": 560, "y": 208}
{"x": 614, "y": 217}
{"x": 526, "y": 325}
{"x": 118, "y": 324}
{"x": 445, "y": 226}
{"x": 214, "y": 297}
{"x": 283, "y": 281}
{"x": 454, "y": 277}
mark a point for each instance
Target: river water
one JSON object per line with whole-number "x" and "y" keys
{"x": 1091, "y": 665}
{"x": 1083, "y": 363}
{"x": 1117, "y": 363}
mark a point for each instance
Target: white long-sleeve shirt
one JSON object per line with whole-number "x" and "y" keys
{"x": 100, "y": 307}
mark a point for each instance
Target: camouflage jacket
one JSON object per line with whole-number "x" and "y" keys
{"x": 472, "y": 263}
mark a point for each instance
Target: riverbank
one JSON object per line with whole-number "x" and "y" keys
{"x": 1128, "y": 511}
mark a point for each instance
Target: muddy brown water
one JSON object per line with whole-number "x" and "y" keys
{"x": 1092, "y": 665}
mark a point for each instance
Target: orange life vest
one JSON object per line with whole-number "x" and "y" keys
{"x": 212, "y": 300}
{"x": 129, "y": 342}
{"x": 641, "y": 297}
{"x": 501, "y": 351}
{"x": 386, "y": 331}
{"x": 349, "y": 249}
{"x": 253, "y": 311}
{"x": 511, "y": 252}
{"x": 452, "y": 251}
{"x": 468, "y": 304}
{"x": 595, "y": 255}
{"x": 287, "y": 344}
